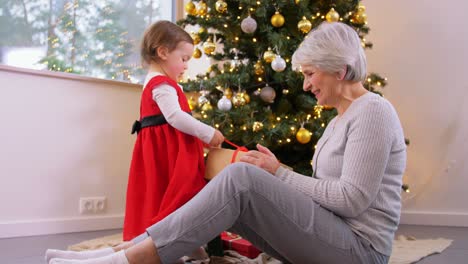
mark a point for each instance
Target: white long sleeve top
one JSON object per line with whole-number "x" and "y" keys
{"x": 358, "y": 167}
{"x": 166, "y": 98}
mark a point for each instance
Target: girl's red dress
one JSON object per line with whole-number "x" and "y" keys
{"x": 167, "y": 167}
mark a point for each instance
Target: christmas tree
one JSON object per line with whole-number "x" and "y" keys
{"x": 251, "y": 93}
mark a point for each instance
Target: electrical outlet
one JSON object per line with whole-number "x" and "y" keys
{"x": 86, "y": 205}
{"x": 92, "y": 205}
{"x": 99, "y": 204}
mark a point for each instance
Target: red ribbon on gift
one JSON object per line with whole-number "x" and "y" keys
{"x": 232, "y": 237}
{"x": 238, "y": 148}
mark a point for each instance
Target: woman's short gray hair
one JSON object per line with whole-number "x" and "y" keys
{"x": 333, "y": 47}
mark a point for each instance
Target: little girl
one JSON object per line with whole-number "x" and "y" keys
{"x": 167, "y": 167}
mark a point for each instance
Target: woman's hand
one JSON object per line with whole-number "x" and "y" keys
{"x": 217, "y": 139}
{"x": 262, "y": 158}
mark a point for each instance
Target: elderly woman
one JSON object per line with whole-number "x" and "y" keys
{"x": 347, "y": 212}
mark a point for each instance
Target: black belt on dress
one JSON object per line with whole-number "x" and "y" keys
{"x": 154, "y": 120}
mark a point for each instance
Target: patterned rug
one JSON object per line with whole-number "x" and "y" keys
{"x": 406, "y": 250}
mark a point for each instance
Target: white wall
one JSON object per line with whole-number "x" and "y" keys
{"x": 421, "y": 46}
{"x": 62, "y": 139}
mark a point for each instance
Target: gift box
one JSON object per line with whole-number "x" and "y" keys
{"x": 235, "y": 242}
{"x": 218, "y": 158}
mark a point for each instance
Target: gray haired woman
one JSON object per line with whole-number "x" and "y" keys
{"x": 347, "y": 212}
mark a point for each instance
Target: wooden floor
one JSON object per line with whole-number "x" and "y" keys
{"x": 30, "y": 250}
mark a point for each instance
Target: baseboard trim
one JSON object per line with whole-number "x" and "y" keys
{"x": 59, "y": 226}
{"x": 434, "y": 218}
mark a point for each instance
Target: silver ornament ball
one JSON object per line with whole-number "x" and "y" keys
{"x": 268, "y": 94}
{"x": 278, "y": 64}
{"x": 249, "y": 25}
{"x": 224, "y": 104}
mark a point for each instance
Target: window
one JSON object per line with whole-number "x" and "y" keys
{"x": 93, "y": 38}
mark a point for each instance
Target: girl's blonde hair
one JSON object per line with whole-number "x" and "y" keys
{"x": 161, "y": 34}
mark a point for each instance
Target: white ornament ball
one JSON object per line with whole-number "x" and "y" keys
{"x": 249, "y": 25}
{"x": 278, "y": 64}
{"x": 224, "y": 104}
{"x": 268, "y": 94}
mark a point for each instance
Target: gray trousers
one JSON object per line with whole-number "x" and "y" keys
{"x": 272, "y": 215}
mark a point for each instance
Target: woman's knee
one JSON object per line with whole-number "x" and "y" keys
{"x": 241, "y": 173}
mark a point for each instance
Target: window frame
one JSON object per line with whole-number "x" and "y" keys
{"x": 177, "y": 13}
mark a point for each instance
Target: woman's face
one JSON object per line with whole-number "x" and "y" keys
{"x": 324, "y": 85}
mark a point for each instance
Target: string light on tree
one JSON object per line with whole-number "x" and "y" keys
{"x": 257, "y": 126}
{"x": 238, "y": 100}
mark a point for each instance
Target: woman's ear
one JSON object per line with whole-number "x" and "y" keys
{"x": 342, "y": 73}
{"x": 162, "y": 52}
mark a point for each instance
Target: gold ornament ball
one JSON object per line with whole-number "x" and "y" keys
{"x": 192, "y": 103}
{"x": 277, "y": 20}
{"x": 196, "y": 38}
{"x": 228, "y": 93}
{"x": 207, "y": 107}
{"x": 197, "y": 53}
{"x": 304, "y": 25}
{"x": 238, "y": 100}
{"x": 332, "y": 15}
{"x": 246, "y": 97}
{"x": 258, "y": 68}
{"x": 201, "y": 30}
{"x": 303, "y": 135}
{"x": 221, "y": 6}
{"x": 360, "y": 18}
{"x": 297, "y": 1}
{"x": 202, "y": 8}
{"x": 257, "y": 126}
{"x": 361, "y": 8}
{"x": 209, "y": 47}
{"x": 190, "y": 8}
{"x": 269, "y": 55}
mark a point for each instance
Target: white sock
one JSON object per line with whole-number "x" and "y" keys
{"x": 116, "y": 258}
{"x": 68, "y": 254}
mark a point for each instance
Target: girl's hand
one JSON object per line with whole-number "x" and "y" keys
{"x": 262, "y": 158}
{"x": 217, "y": 139}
